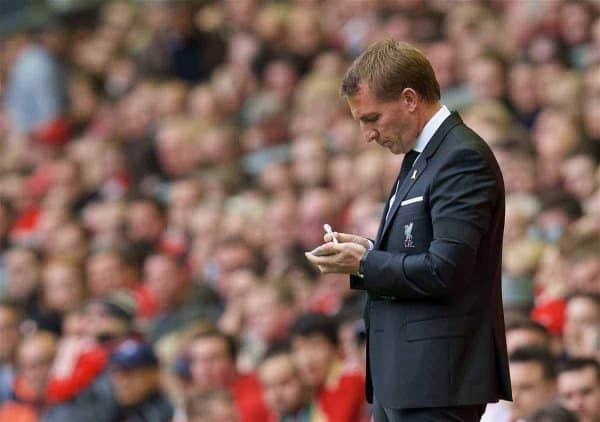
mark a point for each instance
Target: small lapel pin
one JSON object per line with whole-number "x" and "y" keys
{"x": 414, "y": 175}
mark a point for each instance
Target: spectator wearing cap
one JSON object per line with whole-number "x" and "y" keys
{"x": 134, "y": 374}
{"x": 579, "y": 388}
{"x": 338, "y": 393}
{"x": 110, "y": 320}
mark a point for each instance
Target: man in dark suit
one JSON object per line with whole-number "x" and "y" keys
{"x": 436, "y": 343}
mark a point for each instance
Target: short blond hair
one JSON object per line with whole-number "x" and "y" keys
{"x": 389, "y": 67}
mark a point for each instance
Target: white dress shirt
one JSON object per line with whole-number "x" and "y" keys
{"x": 423, "y": 139}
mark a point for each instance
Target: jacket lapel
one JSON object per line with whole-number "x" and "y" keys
{"x": 414, "y": 174}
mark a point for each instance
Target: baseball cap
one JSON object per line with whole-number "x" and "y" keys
{"x": 119, "y": 305}
{"x": 132, "y": 354}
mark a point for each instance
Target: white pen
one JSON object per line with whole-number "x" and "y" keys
{"x": 327, "y": 229}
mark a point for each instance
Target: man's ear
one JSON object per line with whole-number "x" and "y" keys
{"x": 410, "y": 99}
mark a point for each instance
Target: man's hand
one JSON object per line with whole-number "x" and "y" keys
{"x": 348, "y": 238}
{"x": 341, "y": 257}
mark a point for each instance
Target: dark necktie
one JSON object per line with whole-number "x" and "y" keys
{"x": 407, "y": 163}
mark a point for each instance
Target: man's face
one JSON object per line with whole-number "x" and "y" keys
{"x": 35, "y": 359}
{"x": 267, "y": 325}
{"x": 579, "y": 392}
{"x": 132, "y": 386}
{"x": 531, "y": 391}
{"x": 211, "y": 365}
{"x": 314, "y": 355}
{"x": 163, "y": 278}
{"x": 102, "y": 325}
{"x": 581, "y": 313}
{"x": 282, "y": 387}
{"x": 392, "y": 124}
{"x": 144, "y": 222}
{"x": 22, "y": 271}
{"x": 9, "y": 333}
{"x": 104, "y": 274}
{"x": 63, "y": 288}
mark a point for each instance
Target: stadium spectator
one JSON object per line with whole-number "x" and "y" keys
{"x": 211, "y": 357}
{"x": 533, "y": 380}
{"x": 338, "y": 393}
{"x": 582, "y": 315}
{"x": 10, "y": 318}
{"x": 283, "y": 389}
{"x": 553, "y": 413}
{"x": 34, "y": 360}
{"x": 133, "y": 369}
{"x": 36, "y": 92}
{"x": 526, "y": 333}
{"x": 211, "y": 406}
{"x": 578, "y": 385}
{"x": 177, "y": 301}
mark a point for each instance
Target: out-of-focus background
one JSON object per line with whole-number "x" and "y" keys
{"x": 164, "y": 164}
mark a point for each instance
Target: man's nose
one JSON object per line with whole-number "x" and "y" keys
{"x": 370, "y": 135}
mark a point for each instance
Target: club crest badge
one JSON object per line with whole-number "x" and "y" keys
{"x": 408, "y": 237}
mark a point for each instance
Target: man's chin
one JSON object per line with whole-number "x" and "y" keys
{"x": 394, "y": 149}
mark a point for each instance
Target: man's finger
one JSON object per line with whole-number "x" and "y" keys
{"x": 325, "y": 249}
{"x": 341, "y": 237}
{"x": 317, "y": 260}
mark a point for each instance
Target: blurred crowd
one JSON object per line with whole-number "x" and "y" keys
{"x": 164, "y": 165}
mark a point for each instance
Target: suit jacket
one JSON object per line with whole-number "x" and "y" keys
{"x": 434, "y": 315}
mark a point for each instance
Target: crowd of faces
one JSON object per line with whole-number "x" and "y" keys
{"x": 207, "y": 145}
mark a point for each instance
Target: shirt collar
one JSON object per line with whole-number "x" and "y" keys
{"x": 430, "y": 128}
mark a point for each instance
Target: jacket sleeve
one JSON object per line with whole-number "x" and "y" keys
{"x": 463, "y": 196}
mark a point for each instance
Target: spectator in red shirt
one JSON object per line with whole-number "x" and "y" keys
{"x": 284, "y": 391}
{"x": 211, "y": 358}
{"x": 339, "y": 394}
{"x": 81, "y": 359}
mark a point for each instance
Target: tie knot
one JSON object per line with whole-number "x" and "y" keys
{"x": 407, "y": 163}
{"x": 410, "y": 157}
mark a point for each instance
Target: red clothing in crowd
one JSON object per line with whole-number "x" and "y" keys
{"x": 88, "y": 366}
{"x": 25, "y": 406}
{"x": 248, "y": 397}
{"x": 342, "y": 398}
{"x": 12, "y": 411}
